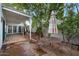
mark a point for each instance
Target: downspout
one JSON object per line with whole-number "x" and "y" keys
{"x": 30, "y": 27}
{"x": 1, "y": 29}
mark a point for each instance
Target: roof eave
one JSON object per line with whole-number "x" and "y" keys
{"x": 16, "y": 12}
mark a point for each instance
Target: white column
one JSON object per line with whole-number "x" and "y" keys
{"x": 30, "y": 26}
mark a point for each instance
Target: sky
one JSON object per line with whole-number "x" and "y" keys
{"x": 75, "y": 10}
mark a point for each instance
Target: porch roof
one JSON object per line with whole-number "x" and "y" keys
{"x": 12, "y": 16}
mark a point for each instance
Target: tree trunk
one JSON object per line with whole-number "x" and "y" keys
{"x": 63, "y": 34}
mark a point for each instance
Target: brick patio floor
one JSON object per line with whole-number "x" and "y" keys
{"x": 14, "y": 38}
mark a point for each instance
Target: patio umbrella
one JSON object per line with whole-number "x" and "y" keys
{"x": 53, "y": 24}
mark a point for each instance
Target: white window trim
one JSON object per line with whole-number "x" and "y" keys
{"x": 12, "y": 28}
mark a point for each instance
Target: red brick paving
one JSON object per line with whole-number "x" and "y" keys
{"x": 14, "y": 38}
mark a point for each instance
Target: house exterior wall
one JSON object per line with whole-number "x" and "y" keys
{"x": 1, "y": 27}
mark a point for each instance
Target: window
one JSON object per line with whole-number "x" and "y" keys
{"x": 14, "y": 29}
{"x": 19, "y": 29}
{"x": 9, "y": 29}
